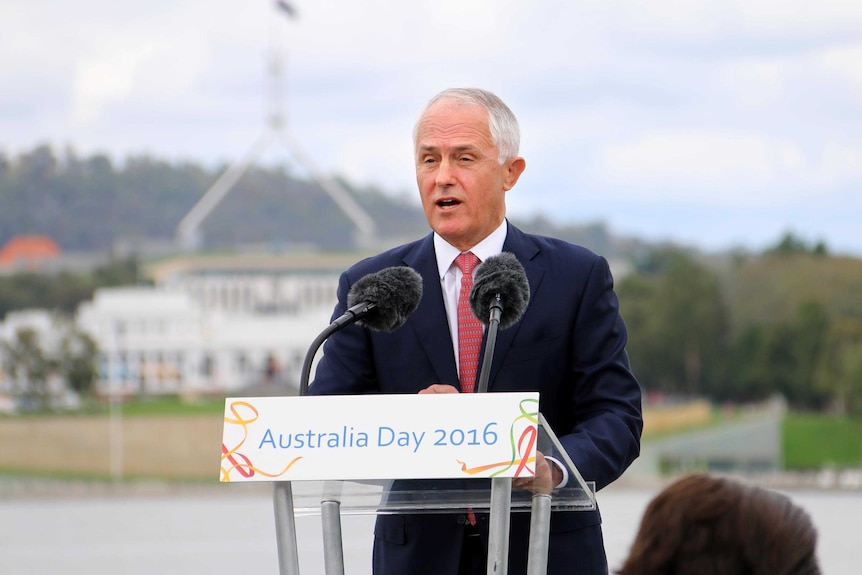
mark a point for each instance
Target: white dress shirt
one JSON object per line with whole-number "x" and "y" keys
{"x": 450, "y": 273}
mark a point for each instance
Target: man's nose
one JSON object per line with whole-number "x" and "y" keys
{"x": 445, "y": 173}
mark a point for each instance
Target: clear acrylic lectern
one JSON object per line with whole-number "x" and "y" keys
{"x": 332, "y": 499}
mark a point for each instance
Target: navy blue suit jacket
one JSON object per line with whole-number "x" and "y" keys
{"x": 569, "y": 346}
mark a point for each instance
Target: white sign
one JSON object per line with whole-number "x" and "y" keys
{"x": 356, "y": 437}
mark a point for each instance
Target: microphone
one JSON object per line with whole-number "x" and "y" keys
{"x": 381, "y": 301}
{"x": 499, "y": 298}
{"x": 500, "y": 286}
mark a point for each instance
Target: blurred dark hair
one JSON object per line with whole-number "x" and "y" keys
{"x": 705, "y": 525}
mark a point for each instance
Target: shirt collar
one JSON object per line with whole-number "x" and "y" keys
{"x": 492, "y": 245}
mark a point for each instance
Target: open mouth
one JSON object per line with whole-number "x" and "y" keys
{"x": 448, "y": 203}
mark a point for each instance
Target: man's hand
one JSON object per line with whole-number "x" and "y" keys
{"x": 439, "y": 388}
{"x": 548, "y": 476}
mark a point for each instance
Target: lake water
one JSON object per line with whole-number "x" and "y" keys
{"x": 232, "y": 531}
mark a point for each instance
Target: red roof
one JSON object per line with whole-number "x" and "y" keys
{"x": 24, "y": 250}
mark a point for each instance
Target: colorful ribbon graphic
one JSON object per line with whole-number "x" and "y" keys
{"x": 245, "y": 467}
{"x": 524, "y": 444}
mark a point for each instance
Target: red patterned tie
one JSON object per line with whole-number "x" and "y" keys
{"x": 469, "y": 328}
{"x": 469, "y": 335}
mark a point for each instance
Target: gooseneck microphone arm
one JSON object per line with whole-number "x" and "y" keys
{"x": 490, "y": 342}
{"x": 380, "y": 301}
{"x": 309, "y": 357}
{"x": 348, "y": 317}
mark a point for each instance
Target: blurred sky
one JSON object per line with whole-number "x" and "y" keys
{"x": 715, "y": 123}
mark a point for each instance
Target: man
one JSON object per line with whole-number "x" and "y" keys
{"x": 569, "y": 345}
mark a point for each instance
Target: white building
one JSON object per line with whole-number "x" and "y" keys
{"x": 256, "y": 293}
{"x": 161, "y": 341}
{"x": 254, "y": 284}
{"x": 213, "y": 324}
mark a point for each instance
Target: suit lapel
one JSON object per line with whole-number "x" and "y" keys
{"x": 429, "y": 320}
{"x": 526, "y": 251}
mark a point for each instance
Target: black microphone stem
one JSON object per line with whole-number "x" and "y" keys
{"x": 348, "y": 317}
{"x": 382, "y": 301}
{"x": 309, "y": 357}
{"x": 490, "y": 343}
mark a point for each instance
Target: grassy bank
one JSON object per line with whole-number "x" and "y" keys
{"x": 814, "y": 441}
{"x": 138, "y": 445}
{"x": 172, "y": 405}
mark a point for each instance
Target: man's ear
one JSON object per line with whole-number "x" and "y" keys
{"x": 514, "y": 168}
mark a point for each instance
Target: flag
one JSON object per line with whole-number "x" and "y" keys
{"x": 287, "y": 8}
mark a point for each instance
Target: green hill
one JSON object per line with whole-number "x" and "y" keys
{"x": 772, "y": 288}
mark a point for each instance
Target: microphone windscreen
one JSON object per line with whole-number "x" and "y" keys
{"x": 395, "y": 291}
{"x": 501, "y": 274}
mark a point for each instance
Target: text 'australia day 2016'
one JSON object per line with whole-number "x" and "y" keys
{"x": 381, "y": 436}
{"x": 395, "y": 436}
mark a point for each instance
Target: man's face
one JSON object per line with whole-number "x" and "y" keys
{"x": 461, "y": 181}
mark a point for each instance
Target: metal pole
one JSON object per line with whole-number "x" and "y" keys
{"x": 498, "y": 536}
{"x": 540, "y": 531}
{"x": 330, "y": 518}
{"x": 333, "y": 552}
{"x": 116, "y": 419}
{"x": 116, "y": 382}
{"x": 285, "y": 529}
{"x": 501, "y": 487}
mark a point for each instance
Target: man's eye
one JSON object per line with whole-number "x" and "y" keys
{"x": 429, "y": 160}
{"x": 465, "y": 159}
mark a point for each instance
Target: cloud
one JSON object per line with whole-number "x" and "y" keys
{"x": 725, "y": 167}
{"x": 841, "y": 165}
{"x": 844, "y": 62}
{"x": 106, "y": 78}
{"x": 732, "y": 104}
{"x": 712, "y": 19}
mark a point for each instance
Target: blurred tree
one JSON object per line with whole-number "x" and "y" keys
{"x": 38, "y": 166}
{"x": 26, "y": 363}
{"x": 78, "y": 361}
{"x": 769, "y": 290}
{"x": 792, "y": 244}
{"x": 810, "y": 329}
{"x": 119, "y": 272}
{"x": 839, "y": 369}
{"x": 781, "y": 357}
{"x": 749, "y": 368}
{"x": 848, "y": 383}
{"x": 637, "y": 295}
{"x": 678, "y": 324}
{"x": 93, "y": 203}
{"x": 64, "y": 291}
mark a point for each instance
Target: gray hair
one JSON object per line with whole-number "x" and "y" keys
{"x": 502, "y": 123}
